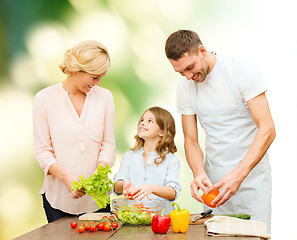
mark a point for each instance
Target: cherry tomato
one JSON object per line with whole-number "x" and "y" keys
{"x": 80, "y": 229}
{"x": 86, "y": 226}
{"x": 111, "y": 217}
{"x": 208, "y": 198}
{"x": 92, "y": 228}
{"x": 106, "y": 227}
{"x": 100, "y": 226}
{"x": 114, "y": 225}
{"x": 73, "y": 224}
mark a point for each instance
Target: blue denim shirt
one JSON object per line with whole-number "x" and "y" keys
{"x": 165, "y": 174}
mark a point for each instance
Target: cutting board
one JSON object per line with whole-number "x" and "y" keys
{"x": 199, "y": 221}
{"x": 93, "y": 216}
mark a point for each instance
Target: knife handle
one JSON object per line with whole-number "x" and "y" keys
{"x": 207, "y": 212}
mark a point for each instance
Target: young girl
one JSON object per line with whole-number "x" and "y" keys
{"x": 150, "y": 169}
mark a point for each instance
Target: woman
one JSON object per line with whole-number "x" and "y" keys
{"x": 74, "y": 130}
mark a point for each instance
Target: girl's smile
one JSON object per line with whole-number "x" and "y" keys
{"x": 148, "y": 128}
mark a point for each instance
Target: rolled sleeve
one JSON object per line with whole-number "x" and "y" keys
{"x": 123, "y": 173}
{"x": 108, "y": 147}
{"x": 43, "y": 148}
{"x": 172, "y": 178}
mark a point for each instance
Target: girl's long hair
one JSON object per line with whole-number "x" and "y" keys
{"x": 166, "y": 144}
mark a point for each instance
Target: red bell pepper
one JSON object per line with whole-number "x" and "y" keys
{"x": 160, "y": 223}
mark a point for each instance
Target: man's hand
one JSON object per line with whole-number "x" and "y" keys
{"x": 201, "y": 181}
{"x": 228, "y": 185}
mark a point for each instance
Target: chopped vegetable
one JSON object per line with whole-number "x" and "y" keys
{"x": 135, "y": 215}
{"x": 97, "y": 186}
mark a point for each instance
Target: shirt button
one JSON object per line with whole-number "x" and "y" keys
{"x": 82, "y": 148}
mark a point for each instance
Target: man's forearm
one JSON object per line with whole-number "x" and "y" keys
{"x": 194, "y": 157}
{"x": 257, "y": 150}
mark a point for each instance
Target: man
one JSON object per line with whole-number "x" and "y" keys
{"x": 228, "y": 96}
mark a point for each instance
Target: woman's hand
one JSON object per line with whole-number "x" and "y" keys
{"x": 201, "y": 181}
{"x": 128, "y": 189}
{"x": 68, "y": 180}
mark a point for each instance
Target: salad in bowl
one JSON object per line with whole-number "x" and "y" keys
{"x": 133, "y": 212}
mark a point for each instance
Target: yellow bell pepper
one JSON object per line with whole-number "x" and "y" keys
{"x": 180, "y": 219}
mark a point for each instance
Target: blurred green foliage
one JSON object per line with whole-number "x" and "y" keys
{"x": 20, "y": 80}
{"x": 134, "y": 31}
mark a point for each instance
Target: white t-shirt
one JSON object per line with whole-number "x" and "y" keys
{"x": 213, "y": 92}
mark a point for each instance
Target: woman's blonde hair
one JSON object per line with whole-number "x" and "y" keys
{"x": 166, "y": 123}
{"x": 87, "y": 56}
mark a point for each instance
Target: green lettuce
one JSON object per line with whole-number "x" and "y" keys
{"x": 97, "y": 186}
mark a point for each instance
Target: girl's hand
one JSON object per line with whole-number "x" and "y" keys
{"x": 68, "y": 180}
{"x": 143, "y": 190}
{"x": 128, "y": 189}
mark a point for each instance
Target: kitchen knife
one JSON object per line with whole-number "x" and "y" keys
{"x": 201, "y": 215}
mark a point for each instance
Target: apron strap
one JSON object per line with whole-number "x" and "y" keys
{"x": 231, "y": 88}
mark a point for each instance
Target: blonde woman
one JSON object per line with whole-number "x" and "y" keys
{"x": 74, "y": 130}
{"x": 151, "y": 169}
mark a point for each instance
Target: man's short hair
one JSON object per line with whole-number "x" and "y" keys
{"x": 180, "y": 42}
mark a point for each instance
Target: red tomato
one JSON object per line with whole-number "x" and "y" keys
{"x": 208, "y": 198}
{"x": 114, "y": 225}
{"x": 80, "y": 229}
{"x": 92, "y": 228}
{"x": 73, "y": 224}
{"x": 100, "y": 226}
{"x": 106, "y": 227}
{"x": 111, "y": 217}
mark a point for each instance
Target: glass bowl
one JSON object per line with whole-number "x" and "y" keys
{"x": 133, "y": 212}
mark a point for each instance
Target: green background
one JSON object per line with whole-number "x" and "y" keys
{"x": 35, "y": 34}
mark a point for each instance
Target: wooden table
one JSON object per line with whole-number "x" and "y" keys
{"x": 61, "y": 229}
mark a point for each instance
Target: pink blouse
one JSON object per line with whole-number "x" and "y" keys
{"x": 76, "y": 143}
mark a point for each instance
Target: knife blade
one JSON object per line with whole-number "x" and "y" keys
{"x": 201, "y": 215}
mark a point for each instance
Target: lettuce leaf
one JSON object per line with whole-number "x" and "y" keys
{"x": 97, "y": 186}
